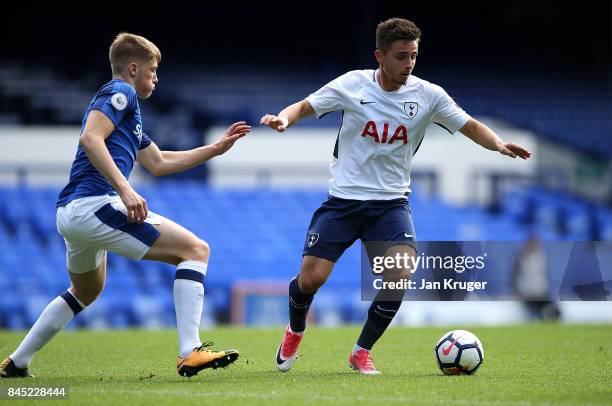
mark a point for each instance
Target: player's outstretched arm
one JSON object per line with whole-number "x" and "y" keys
{"x": 161, "y": 163}
{"x": 289, "y": 116}
{"x": 97, "y": 128}
{"x": 483, "y": 135}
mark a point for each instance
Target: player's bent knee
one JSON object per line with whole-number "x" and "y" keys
{"x": 198, "y": 250}
{"x": 87, "y": 294}
{"x": 314, "y": 273}
{"x": 87, "y": 286}
{"x": 310, "y": 282}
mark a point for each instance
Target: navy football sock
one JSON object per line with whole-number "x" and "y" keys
{"x": 299, "y": 303}
{"x": 380, "y": 315}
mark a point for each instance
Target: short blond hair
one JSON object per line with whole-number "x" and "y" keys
{"x": 129, "y": 47}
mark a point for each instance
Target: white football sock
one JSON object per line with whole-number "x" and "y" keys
{"x": 188, "y": 302}
{"x": 53, "y": 318}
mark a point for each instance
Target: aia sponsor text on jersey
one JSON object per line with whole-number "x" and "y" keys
{"x": 371, "y": 130}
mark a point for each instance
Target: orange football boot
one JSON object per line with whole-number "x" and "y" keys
{"x": 202, "y": 358}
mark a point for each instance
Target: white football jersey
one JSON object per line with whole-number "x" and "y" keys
{"x": 380, "y": 131}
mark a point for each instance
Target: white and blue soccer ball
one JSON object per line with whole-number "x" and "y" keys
{"x": 459, "y": 352}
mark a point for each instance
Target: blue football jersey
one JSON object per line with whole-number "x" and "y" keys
{"x": 118, "y": 101}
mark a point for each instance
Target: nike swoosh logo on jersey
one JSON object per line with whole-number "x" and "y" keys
{"x": 366, "y": 102}
{"x": 408, "y": 235}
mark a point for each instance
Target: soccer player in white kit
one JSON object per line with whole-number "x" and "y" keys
{"x": 98, "y": 211}
{"x": 385, "y": 113}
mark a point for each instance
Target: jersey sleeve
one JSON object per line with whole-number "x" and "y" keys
{"x": 145, "y": 141}
{"x": 116, "y": 104}
{"x": 331, "y": 97}
{"x": 447, "y": 113}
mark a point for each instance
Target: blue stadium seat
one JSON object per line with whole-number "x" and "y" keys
{"x": 255, "y": 234}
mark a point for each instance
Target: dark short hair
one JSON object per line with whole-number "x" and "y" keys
{"x": 395, "y": 29}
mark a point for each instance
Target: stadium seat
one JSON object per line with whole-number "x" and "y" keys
{"x": 255, "y": 234}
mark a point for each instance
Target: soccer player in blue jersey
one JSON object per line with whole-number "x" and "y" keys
{"x": 99, "y": 211}
{"x": 385, "y": 113}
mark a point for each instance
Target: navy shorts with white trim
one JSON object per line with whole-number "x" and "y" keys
{"x": 338, "y": 223}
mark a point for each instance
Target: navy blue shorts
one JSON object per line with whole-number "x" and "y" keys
{"x": 338, "y": 223}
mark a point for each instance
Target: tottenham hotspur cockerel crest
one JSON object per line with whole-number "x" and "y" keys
{"x": 411, "y": 109}
{"x": 312, "y": 239}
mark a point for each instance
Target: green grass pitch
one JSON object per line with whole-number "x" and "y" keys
{"x": 531, "y": 364}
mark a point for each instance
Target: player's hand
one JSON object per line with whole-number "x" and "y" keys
{"x": 277, "y": 123}
{"x": 513, "y": 150}
{"x": 230, "y": 136}
{"x": 136, "y": 206}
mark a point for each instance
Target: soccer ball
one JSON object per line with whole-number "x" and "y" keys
{"x": 459, "y": 352}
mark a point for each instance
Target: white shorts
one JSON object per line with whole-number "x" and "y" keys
{"x": 93, "y": 225}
